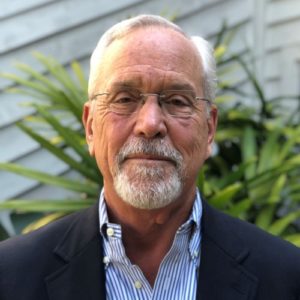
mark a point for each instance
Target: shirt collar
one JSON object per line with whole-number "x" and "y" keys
{"x": 194, "y": 218}
{"x": 103, "y": 216}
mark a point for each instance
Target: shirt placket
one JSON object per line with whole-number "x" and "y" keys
{"x": 131, "y": 275}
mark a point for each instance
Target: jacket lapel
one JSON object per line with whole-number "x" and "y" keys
{"x": 82, "y": 274}
{"x": 221, "y": 274}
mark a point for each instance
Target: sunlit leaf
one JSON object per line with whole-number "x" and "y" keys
{"x": 42, "y": 222}
{"x": 280, "y": 225}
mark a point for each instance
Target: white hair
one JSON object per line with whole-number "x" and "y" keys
{"x": 125, "y": 27}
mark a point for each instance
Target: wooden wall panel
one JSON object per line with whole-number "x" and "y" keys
{"x": 11, "y": 8}
{"x": 282, "y": 47}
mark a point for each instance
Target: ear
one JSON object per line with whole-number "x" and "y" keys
{"x": 87, "y": 120}
{"x": 212, "y": 122}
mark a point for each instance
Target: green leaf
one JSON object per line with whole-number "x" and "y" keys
{"x": 37, "y": 75}
{"x": 256, "y": 86}
{"x": 59, "y": 153}
{"x": 269, "y": 153}
{"x": 44, "y": 205}
{"x": 269, "y": 175}
{"x": 240, "y": 208}
{"x": 71, "y": 138}
{"x": 35, "y": 86}
{"x": 293, "y": 238}
{"x": 80, "y": 75}
{"x": 265, "y": 216}
{"x": 224, "y": 197}
{"x": 43, "y": 221}
{"x": 280, "y": 225}
{"x": 200, "y": 181}
{"x": 235, "y": 175}
{"x": 249, "y": 149}
{"x": 73, "y": 185}
{"x": 63, "y": 77}
{"x": 275, "y": 192}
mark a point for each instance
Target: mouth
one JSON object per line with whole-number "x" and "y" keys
{"x": 149, "y": 157}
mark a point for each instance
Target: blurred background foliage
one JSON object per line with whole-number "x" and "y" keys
{"x": 254, "y": 173}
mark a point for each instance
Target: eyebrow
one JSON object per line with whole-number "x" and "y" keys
{"x": 125, "y": 83}
{"x": 172, "y": 86}
{"x": 180, "y": 86}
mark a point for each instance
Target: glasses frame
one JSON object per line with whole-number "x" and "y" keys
{"x": 159, "y": 97}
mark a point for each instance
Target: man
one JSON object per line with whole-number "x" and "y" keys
{"x": 150, "y": 124}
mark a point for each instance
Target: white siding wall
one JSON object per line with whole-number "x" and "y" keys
{"x": 282, "y": 47}
{"x": 69, "y": 29}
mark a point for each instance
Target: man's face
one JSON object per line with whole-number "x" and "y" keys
{"x": 149, "y": 158}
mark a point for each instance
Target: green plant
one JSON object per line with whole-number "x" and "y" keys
{"x": 56, "y": 126}
{"x": 256, "y": 172}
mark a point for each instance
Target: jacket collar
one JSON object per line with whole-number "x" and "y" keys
{"x": 82, "y": 274}
{"x": 221, "y": 273}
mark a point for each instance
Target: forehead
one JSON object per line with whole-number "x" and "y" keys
{"x": 151, "y": 57}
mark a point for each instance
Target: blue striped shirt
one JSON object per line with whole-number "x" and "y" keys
{"x": 178, "y": 272}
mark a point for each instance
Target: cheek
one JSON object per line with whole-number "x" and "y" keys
{"x": 192, "y": 142}
{"x": 100, "y": 143}
{"x": 111, "y": 134}
{"x": 193, "y": 136}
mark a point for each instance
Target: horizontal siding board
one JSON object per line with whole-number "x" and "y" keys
{"x": 272, "y": 87}
{"x": 272, "y": 65}
{"x": 52, "y": 192}
{"x": 10, "y": 8}
{"x": 12, "y": 109}
{"x": 290, "y": 71}
{"x": 48, "y": 192}
{"x": 52, "y": 19}
{"x": 282, "y": 11}
{"x": 202, "y": 23}
{"x": 12, "y": 185}
{"x": 283, "y": 36}
{"x": 15, "y": 144}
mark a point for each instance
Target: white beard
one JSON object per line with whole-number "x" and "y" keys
{"x": 148, "y": 187}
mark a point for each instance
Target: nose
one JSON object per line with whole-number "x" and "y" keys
{"x": 150, "y": 119}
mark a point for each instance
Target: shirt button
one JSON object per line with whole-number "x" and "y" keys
{"x": 196, "y": 253}
{"x": 138, "y": 284}
{"x": 110, "y": 231}
{"x": 106, "y": 260}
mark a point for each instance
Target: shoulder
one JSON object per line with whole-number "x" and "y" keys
{"x": 26, "y": 260}
{"x": 31, "y": 247}
{"x": 215, "y": 222}
{"x": 267, "y": 257}
{"x": 258, "y": 239}
{"x": 44, "y": 236}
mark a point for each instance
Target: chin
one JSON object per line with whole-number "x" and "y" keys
{"x": 151, "y": 192}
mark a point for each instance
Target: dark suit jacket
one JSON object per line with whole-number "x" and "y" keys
{"x": 63, "y": 261}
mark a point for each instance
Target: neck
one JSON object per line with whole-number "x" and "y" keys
{"x": 149, "y": 233}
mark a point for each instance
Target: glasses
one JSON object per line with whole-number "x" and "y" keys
{"x": 177, "y": 103}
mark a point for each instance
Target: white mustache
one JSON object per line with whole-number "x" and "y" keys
{"x": 150, "y": 147}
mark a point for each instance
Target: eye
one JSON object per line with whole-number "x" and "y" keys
{"x": 124, "y": 98}
{"x": 178, "y": 101}
{"x": 124, "y": 102}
